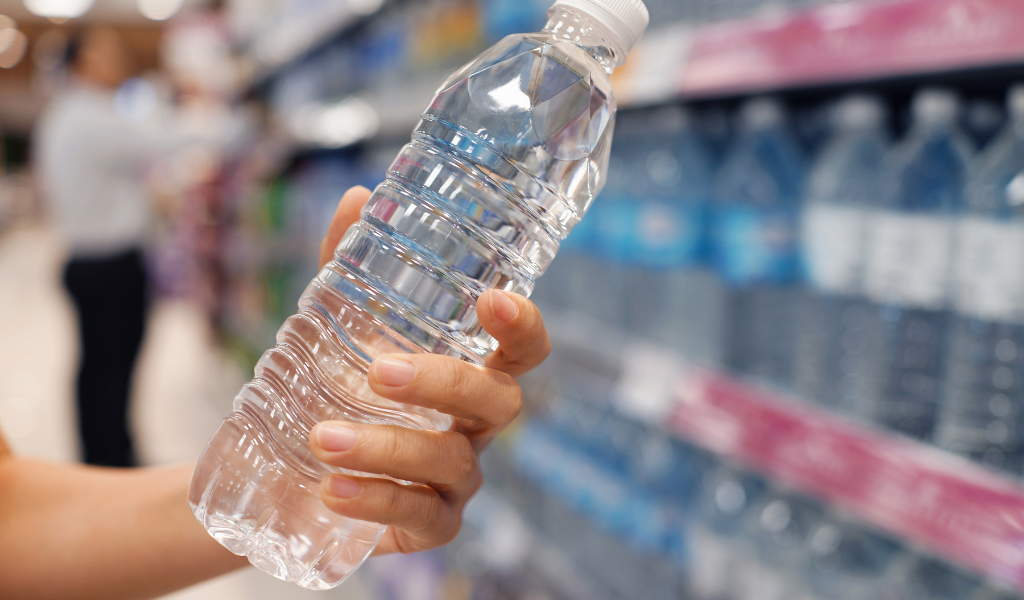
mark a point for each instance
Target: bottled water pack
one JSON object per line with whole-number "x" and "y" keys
{"x": 982, "y": 416}
{"x": 756, "y": 243}
{"x": 841, "y": 189}
{"x": 907, "y": 269}
{"x": 505, "y": 160}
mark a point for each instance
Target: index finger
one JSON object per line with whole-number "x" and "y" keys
{"x": 517, "y": 325}
{"x": 345, "y": 216}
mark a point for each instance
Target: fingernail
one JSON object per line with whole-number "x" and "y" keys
{"x": 343, "y": 487}
{"x": 336, "y": 438}
{"x": 393, "y": 372}
{"x": 503, "y": 306}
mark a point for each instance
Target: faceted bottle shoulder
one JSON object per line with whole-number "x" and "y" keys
{"x": 540, "y": 45}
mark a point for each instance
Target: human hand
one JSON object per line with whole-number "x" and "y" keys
{"x": 481, "y": 400}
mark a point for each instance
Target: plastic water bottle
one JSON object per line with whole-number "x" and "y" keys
{"x": 907, "y": 270}
{"x": 982, "y": 416}
{"x": 770, "y": 568}
{"x": 505, "y": 160}
{"x": 841, "y": 187}
{"x": 717, "y": 538}
{"x": 848, "y": 561}
{"x": 673, "y": 297}
{"x": 921, "y": 577}
{"x": 756, "y": 243}
{"x": 605, "y": 262}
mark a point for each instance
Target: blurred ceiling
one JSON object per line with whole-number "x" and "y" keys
{"x": 103, "y": 11}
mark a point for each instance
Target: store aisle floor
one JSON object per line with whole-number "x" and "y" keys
{"x": 183, "y": 387}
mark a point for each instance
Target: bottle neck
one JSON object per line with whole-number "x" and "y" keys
{"x": 584, "y": 31}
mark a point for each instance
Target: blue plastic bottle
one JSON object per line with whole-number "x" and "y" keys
{"x": 982, "y": 415}
{"x": 673, "y": 297}
{"x": 756, "y": 243}
{"x": 841, "y": 187}
{"x": 908, "y": 265}
{"x": 849, "y": 561}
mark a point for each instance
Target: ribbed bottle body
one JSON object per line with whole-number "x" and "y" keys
{"x": 505, "y": 161}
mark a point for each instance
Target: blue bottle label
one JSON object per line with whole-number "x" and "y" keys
{"x": 757, "y": 245}
{"x": 613, "y": 226}
{"x": 655, "y": 234}
{"x": 668, "y": 235}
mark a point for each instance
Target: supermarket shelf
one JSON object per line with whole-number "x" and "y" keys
{"x": 833, "y": 44}
{"x": 914, "y": 491}
{"x": 292, "y": 37}
{"x": 917, "y": 492}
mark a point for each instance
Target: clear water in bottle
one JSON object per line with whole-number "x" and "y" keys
{"x": 982, "y": 415}
{"x": 756, "y": 243}
{"x": 604, "y": 265}
{"x": 907, "y": 271}
{"x": 505, "y": 160}
{"x": 841, "y": 188}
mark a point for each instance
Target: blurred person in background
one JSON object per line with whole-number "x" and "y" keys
{"x": 90, "y": 162}
{"x": 94, "y": 146}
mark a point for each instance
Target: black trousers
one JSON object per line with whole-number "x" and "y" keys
{"x": 111, "y": 297}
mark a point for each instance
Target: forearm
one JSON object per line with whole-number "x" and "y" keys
{"x": 80, "y": 532}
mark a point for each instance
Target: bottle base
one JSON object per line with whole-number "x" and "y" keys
{"x": 271, "y": 512}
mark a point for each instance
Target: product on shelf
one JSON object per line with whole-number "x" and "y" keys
{"x": 908, "y": 265}
{"x": 842, "y": 187}
{"x": 756, "y": 243}
{"x": 982, "y": 413}
{"x": 672, "y": 297}
{"x": 849, "y": 561}
{"x": 645, "y": 240}
{"x": 505, "y": 160}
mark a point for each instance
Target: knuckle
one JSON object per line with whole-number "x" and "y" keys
{"x": 390, "y": 501}
{"x": 476, "y": 484}
{"x": 463, "y": 458}
{"x": 430, "y": 508}
{"x": 545, "y": 348}
{"x": 452, "y": 531}
{"x": 514, "y": 405}
{"x": 460, "y": 382}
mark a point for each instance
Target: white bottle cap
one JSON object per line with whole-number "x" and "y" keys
{"x": 859, "y": 111}
{"x": 935, "y": 106}
{"x": 761, "y": 113}
{"x": 625, "y": 20}
{"x": 1015, "y": 101}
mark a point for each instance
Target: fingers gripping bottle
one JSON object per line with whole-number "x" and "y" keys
{"x": 505, "y": 160}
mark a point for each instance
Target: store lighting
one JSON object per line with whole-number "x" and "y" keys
{"x": 365, "y": 7}
{"x": 58, "y": 9}
{"x": 336, "y": 125}
{"x": 160, "y": 10}
{"x": 13, "y": 43}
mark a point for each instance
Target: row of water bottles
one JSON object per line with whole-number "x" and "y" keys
{"x": 882, "y": 278}
{"x": 642, "y": 515}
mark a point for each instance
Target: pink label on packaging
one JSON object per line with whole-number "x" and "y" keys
{"x": 914, "y": 491}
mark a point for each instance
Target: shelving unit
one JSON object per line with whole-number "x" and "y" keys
{"x": 834, "y": 44}
{"x": 291, "y": 38}
{"x": 917, "y": 493}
